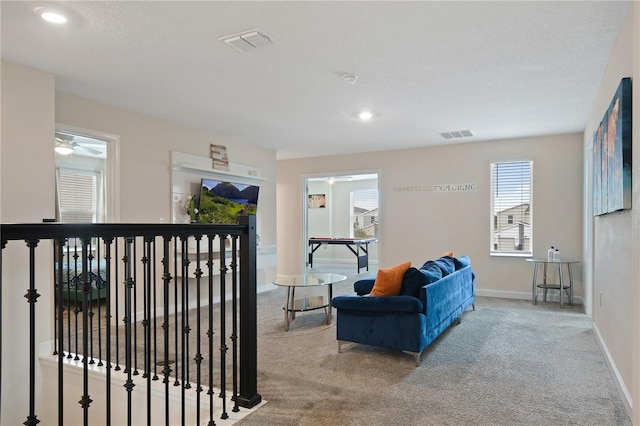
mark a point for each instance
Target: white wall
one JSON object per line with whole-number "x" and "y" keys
{"x": 611, "y": 248}
{"x": 417, "y": 224}
{"x": 27, "y": 182}
{"x": 30, "y": 111}
{"x": 145, "y": 146}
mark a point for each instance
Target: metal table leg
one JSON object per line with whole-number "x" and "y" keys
{"x": 286, "y": 310}
{"x": 329, "y": 303}
{"x": 561, "y": 285}
{"x": 570, "y": 284}
{"x": 535, "y": 288}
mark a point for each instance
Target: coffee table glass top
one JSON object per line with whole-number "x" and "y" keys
{"x": 309, "y": 279}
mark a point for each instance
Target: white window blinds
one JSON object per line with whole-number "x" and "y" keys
{"x": 511, "y": 225}
{"x": 77, "y": 196}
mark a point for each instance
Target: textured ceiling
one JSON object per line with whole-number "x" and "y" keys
{"x": 501, "y": 69}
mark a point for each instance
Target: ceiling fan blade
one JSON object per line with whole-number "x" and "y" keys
{"x": 87, "y": 149}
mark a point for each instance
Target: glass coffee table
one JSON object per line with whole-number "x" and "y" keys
{"x": 310, "y": 279}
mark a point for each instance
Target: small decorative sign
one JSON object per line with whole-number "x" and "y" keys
{"x": 454, "y": 187}
{"x": 317, "y": 201}
{"x": 219, "y": 158}
{"x": 441, "y": 187}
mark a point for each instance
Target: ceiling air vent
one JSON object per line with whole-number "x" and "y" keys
{"x": 248, "y": 40}
{"x": 457, "y": 134}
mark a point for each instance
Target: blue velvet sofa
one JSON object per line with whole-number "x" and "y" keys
{"x": 431, "y": 298}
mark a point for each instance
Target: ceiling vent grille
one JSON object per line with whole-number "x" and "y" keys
{"x": 247, "y": 40}
{"x": 457, "y": 134}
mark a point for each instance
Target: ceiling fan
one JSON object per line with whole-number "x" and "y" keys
{"x": 65, "y": 145}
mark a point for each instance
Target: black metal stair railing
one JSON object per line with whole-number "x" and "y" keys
{"x": 107, "y": 276}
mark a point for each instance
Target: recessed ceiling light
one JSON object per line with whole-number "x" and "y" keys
{"x": 365, "y": 115}
{"x": 51, "y": 15}
{"x": 350, "y": 78}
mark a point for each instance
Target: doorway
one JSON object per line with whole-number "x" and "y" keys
{"x": 342, "y": 208}
{"x": 86, "y": 176}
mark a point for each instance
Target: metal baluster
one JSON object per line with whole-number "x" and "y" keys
{"x": 146, "y": 320}
{"x": 108, "y": 242}
{"x": 99, "y": 290}
{"x": 85, "y": 401}
{"x": 198, "y": 358}
{"x": 155, "y": 317}
{"x": 59, "y": 248}
{"x": 166, "y": 278}
{"x": 185, "y": 310}
{"x": 88, "y": 281}
{"x": 127, "y": 323}
{"x": 76, "y": 311}
{"x": 223, "y": 346}
{"x": 68, "y": 288}
{"x": 184, "y": 350}
{"x": 117, "y": 302}
{"x": 234, "y": 320}
{"x": 175, "y": 303}
{"x": 135, "y": 309}
{"x": 32, "y": 297}
{"x": 210, "y": 330}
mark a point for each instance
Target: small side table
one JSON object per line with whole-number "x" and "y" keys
{"x": 546, "y": 285}
{"x": 310, "y": 279}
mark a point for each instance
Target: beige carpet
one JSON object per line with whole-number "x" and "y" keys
{"x": 508, "y": 363}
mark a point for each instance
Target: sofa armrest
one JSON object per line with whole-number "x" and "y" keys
{"x": 364, "y": 285}
{"x": 445, "y": 295}
{"x": 377, "y": 305}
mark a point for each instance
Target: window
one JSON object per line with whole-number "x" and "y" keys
{"x": 511, "y": 225}
{"x": 364, "y": 213}
{"x": 77, "y": 196}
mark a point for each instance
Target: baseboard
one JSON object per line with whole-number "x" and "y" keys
{"x": 624, "y": 392}
{"x": 523, "y": 295}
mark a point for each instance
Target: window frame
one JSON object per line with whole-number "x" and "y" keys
{"x": 526, "y": 212}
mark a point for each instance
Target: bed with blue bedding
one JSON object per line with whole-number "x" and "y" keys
{"x": 72, "y": 279}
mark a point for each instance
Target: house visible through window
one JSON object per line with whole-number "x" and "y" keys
{"x": 511, "y": 225}
{"x": 364, "y": 213}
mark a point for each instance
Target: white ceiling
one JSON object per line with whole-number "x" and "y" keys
{"x": 500, "y": 69}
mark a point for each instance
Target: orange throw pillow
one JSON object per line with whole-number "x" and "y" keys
{"x": 448, "y": 254}
{"x": 389, "y": 280}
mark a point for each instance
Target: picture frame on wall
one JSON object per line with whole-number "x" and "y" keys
{"x": 612, "y": 155}
{"x": 317, "y": 201}
{"x": 219, "y": 157}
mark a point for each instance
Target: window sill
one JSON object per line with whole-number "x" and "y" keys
{"x": 510, "y": 254}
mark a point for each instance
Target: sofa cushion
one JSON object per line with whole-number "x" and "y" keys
{"x": 431, "y": 270}
{"x": 446, "y": 264}
{"x": 378, "y": 305}
{"x": 461, "y": 262}
{"x": 389, "y": 280}
{"x": 412, "y": 281}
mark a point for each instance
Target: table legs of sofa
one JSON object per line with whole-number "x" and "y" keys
{"x": 416, "y": 356}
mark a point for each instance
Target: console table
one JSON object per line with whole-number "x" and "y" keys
{"x": 561, "y": 286}
{"x": 358, "y": 246}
